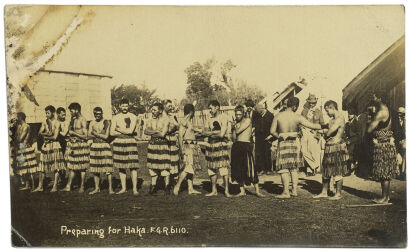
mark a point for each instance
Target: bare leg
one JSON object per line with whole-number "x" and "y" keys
{"x": 325, "y": 187}
{"x": 82, "y": 173}
{"x": 134, "y": 179}
{"x": 338, "y": 194}
{"x": 153, "y": 188}
{"x": 32, "y": 181}
{"x": 70, "y": 180}
{"x": 123, "y": 178}
{"x": 173, "y": 179}
{"x": 179, "y": 182}
{"x": 96, "y": 184}
{"x": 110, "y": 190}
{"x": 167, "y": 179}
{"x": 385, "y": 184}
{"x": 190, "y": 181}
{"x": 56, "y": 176}
{"x": 40, "y": 183}
{"x": 258, "y": 192}
{"x": 226, "y": 181}
{"x": 387, "y": 190}
{"x": 332, "y": 184}
{"x": 295, "y": 182}
{"x": 285, "y": 181}
{"x": 213, "y": 183}
{"x": 25, "y": 182}
{"x": 167, "y": 187}
{"x": 242, "y": 191}
{"x": 154, "y": 180}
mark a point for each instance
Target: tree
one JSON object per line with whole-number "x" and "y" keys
{"x": 140, "y": 97}
{"x": 243, "y": 91}
{"x": 212, "y": 80}
{"x": 208, "y": 81}
{"x": 199, "y": 84}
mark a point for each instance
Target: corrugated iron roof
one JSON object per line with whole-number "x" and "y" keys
{"x": 386, "y": 70}
{"x": 76, "y": 73}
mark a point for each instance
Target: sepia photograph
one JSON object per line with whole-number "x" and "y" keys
{"x": 206, "y": 126}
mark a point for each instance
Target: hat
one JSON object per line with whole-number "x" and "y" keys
{"x": 401, "y": 110}
{"x": 312, "y": 98}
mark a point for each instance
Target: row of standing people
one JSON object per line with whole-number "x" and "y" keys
{"x": 164, "y": 148}
{"x": 265, "y": 147}
{"x": 65, "y": 148}
{"x": 337, "y": 161}
{"x": 163, "y": 153}
{"x": 380, "y": 127}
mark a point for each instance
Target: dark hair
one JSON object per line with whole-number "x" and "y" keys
{"x": 214, "y": 103}
{"x": 188, "y": 108}
{"x": 239, "y": 108}
{"x": 381, "y": 94}
{"x": 98, "y": 109}
{"x": 292, "y": 101}
{"x": 60, "y": 109}
{"x": 168, "y": 101}
{"x": 159, "y": 105}
{"x": 330, "y": 103}
{"x": 249, "y": 103}
{"x": 21, "y": 115}
{"x": 375, "y": 103}
{"x": 50, "y": 108}
{"x": 377, "y": 97}
{"x": 75, "y": 106}
{"x": 124, "y": 101}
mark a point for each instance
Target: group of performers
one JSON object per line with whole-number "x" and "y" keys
{"x": 176, "y": 144}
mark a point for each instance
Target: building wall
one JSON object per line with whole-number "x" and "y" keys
{"x": 60, "y": 89}
{"x": 397, "y": 96}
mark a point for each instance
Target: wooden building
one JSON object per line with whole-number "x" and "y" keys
{"x": 60, "y": 88}
{"x": 387, "y": 72}
{"x": 274, "y": 103}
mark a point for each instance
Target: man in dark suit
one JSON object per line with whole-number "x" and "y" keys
{"x": 399, "y": 133}
{"x": 262, "y": 125}
{"x": 250, "y": 113}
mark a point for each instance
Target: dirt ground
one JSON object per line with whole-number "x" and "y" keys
{"x": 195, "y": 220}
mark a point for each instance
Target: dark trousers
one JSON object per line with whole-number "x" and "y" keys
{"x": 263, "y": 156}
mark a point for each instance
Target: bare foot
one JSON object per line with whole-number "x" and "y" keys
{"x": 81, "y": 190}
{"x": 193, "y": 191}
{"x": 38, "y": 189}
{"x": 239, "y": 195}
{"x": 228, "y": 195}
{"x": 283, "y": 196}
{"x": 53, "y": 190}
{"x": 110, "y": 191}
{"x": 294, "y": 193}
{"x": 211, "y": 194}
{"x": 135, "y": 193}
{"x": 336, "y": 197}
{"x": 66, "y": 189}
{"x": 94, "y": 191}
{"x": 260, "y": 195}
{"x": 381, "y": 201}
{"x": 321, "y": 195}
{"x": 121, "y": 191}
{"x": 24, "y": 188}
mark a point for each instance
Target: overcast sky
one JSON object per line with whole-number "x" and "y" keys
{"x": 271, "y": 46}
